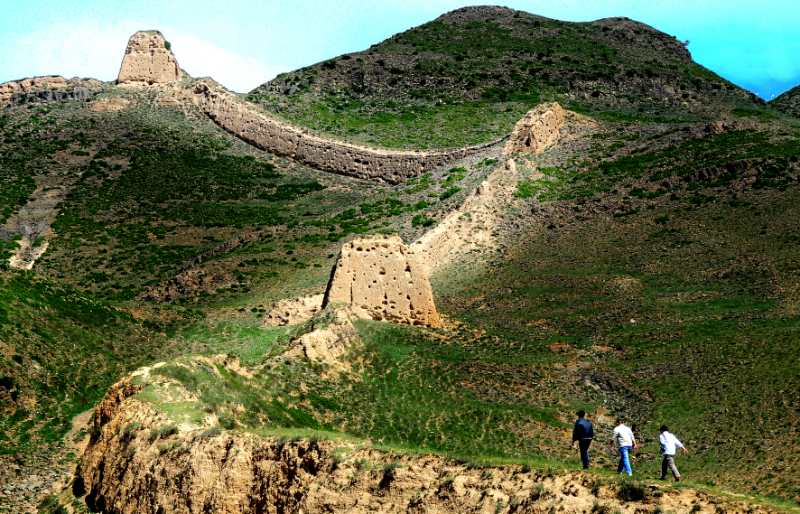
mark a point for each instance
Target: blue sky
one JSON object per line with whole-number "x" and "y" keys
{"x": 243, "y": 43}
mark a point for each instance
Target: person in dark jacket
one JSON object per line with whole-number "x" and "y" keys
{"x": 583, "y": 433}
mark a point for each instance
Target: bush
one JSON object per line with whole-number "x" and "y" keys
{"x": 630, "y": 490}
{"x": 450, "y": 192}
{"x": 421, "y": 220}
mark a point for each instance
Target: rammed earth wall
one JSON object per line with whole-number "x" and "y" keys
{"x": 275, "y": 136}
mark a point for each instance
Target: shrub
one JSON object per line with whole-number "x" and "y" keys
{"x": 421, "y": 220}
{"x": 388, "y": 475}
{"x": 630, "y": 490}
{"x": 449, "y": 192}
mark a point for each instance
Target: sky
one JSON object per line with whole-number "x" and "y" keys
{"x": 243, "y": 43}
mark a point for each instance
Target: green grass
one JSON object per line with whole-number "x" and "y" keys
{"x": 247, "y": 339}
{"x": 709, "y": 162}
{"x": 699, "y": 309}
{"x": 64, "y": 350}
{"x": 414, "y": 125}
{"x": 450, "y": 83}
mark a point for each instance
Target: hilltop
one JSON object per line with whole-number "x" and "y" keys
{"x": 788, "y": 102}
{"x": 466, "y": 77}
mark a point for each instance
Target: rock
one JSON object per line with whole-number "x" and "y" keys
{"x": 537, "y": 130}
{"x": 294, "y": 311}
{"x": 148, "y": 60}
{"x": 328, "y": 343}
{"x": 112, "y": 104}
{"x": 379, "y": 278}
{"x": 50, "y": 88}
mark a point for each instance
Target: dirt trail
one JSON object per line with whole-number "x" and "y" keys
{"x": 32, "y": 223}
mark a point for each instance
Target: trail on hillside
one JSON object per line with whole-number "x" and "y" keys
{"x": 32, "y": 223}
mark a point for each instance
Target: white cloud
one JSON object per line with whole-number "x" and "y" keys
{"x": 93, "y": 49}
{"x": 201, "y": 58}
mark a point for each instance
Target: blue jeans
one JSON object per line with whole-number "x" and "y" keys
{"x": 624, "y": 460}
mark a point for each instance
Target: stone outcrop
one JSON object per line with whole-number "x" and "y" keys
{"x": 138, "y": 462}
{"x": 111, "y": 104}
{"x": 47, "y": 89}
{"x": 294, "y": 310}
{"x": 538, "y": 129}
{"x": 379, "y": 278}
{"x": 148, "y": 60}
{"x": 267, "y": 133}
{"x": 328, "y": 342}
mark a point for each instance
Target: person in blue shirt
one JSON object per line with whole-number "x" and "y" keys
{"x": 583, "y": 433}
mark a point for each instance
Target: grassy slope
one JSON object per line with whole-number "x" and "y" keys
{"x": 678, "y": 307}
{"x": 159, "y": 194}
{"x": 60, "y": 351}
{"x": 710, "y": 345}
{"x": 156, "y": 194}
{"x": 686, "y": 300}
{"x": 469, "y": 75}
{"x": 704, "y": 272}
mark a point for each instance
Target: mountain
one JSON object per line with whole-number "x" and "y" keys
{"x": 208, "y": 303}
{"x": 788, "y": 102}
{"x": 467, "y": 76}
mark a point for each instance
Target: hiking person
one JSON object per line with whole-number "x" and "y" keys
{"x": 626, "y": 443}
{"x": 583, "y": 433}
{"x": 669, "y": 446}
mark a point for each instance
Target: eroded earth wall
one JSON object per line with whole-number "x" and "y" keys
{"x": 148, "y": 60}
{"x": 270, "y": 134}
{"x": 136, "y": 462}
{"x": 538, "y": 129}
{"x": 379, "y": 278}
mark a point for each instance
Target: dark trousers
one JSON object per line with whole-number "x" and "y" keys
{"x": 583, "y": 444}
{"x": 668, "y": 462}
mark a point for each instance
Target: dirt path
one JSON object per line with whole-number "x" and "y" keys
{"x": 32, "y": 223}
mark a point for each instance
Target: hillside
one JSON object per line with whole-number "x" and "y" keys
{"x": 266, "y": 319}
{"x": 466, "y": 77}
{"x": 788, "y": 102}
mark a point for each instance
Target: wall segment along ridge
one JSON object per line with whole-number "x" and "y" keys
{"x": 281, "y": 138}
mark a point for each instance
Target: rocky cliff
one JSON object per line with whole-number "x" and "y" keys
{"x": 51, "y": 88}
{"x": 148, "y": 60}
{"x": 138, "y": 463}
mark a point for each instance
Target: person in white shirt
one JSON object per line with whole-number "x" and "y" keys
{"x": 625, "y": 442}
{"x": 669, "y": 445}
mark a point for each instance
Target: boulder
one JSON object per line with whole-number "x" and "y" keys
{"x": 148, "y": 60}
{"x": 379, "y": 278}
{"x": 538, "y": 129}
{"x": 294, "y": 310}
